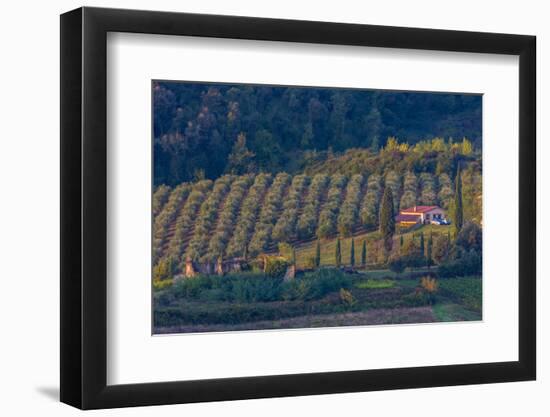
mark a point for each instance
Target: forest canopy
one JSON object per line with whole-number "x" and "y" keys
{"x": 205, "y": 130}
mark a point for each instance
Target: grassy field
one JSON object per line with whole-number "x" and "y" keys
{"x": 306, "y": 251}
{"x": 331, "y": 299}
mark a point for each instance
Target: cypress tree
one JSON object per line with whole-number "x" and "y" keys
{"x": 318, "y": 254}
{"x": 338, "y": 254}
{"x": 352, "y": 253}
{"x": 364, "y": 253}
{"x": 422, "y": 248}
{"x": 401, "y": 242}
{"x": 293, "y": 258}
{"x": 429, "y": 251}
{"x": 387, "y": 220}
{"x": 457, "y": 213}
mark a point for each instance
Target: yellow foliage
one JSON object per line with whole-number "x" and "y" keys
{"x": 429, "y": 284}
{"x": 392, "y": 144}
{"x": 403, "y": 147}
{"x": 467, "y": 147}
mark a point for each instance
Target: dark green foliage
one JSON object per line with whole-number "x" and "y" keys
{"x": 338, "y": 253}
{"x": 397, "y": 265}
{"x": 465, "y": 255}
{"x": 429, "y": 259}
{"x": 387, "y": 219}
{"x": 470, "y": 263}
{"x": 457, "y": 214}
{"x": 422, "y": 246}
{"x": 197, "y": 126}
{"x": 275, "y": 267}
{"x": 364, "y": 253}
{"x": 254, "y": 287}
{"x": 318, "y": 254}
{"x": 317, "y": 284}
{"x": 470, "y": 237}
{"x": 441, "y": 249}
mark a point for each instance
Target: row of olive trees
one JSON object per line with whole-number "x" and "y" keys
{"x": 285, "y": 228}
{"x": 261, "y": 238}
{"x": 167, "y": 215}
{"x": 238, "y": 244}
{"x": 228, "y": 217}
{"x": 329, "y": 213}
{"x": 410, "y": 189}
{"x": 369, "y": 206}
{"x": 348, "y": 217}
{"x": 307, "y": 222}
{"x": 160, "y": 197}
{"x": 207, "y": 217}
{"x": 250, "y": 213}
{"x": 186, "y": 219}
{"x": 428, "y": 195}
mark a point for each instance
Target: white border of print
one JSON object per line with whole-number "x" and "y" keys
{"x": 135, "y": 356}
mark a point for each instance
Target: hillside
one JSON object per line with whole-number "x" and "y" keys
{"x": 197, "y": 125}
{"x": 245, "y": 215}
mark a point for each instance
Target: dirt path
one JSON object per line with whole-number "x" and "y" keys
{"x": 372, "y": 317}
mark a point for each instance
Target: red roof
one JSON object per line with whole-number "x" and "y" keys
{"x": 406, "y": 218}
{"x": 419, "y": 209}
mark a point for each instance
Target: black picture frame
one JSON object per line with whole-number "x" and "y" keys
{"x": 84, "y": 207}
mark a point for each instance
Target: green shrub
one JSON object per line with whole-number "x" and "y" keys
{"x": 317, "y": 284}
{"x": 275, "y": 267}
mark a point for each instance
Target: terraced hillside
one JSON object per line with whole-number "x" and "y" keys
{"x": 250, "y": 214}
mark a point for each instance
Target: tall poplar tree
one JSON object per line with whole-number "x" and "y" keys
{"x": 352, "y": 253}
{"x": 364, "y": 254}
{"x": 429, "y": 251}
{"x": 457, "y": 218}
{"x": 338, "y": 254}
{"x": 387, "y": 220}
{"x": 318, "y": 254}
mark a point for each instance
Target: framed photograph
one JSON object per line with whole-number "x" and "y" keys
{"x": 256, "y": 208}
